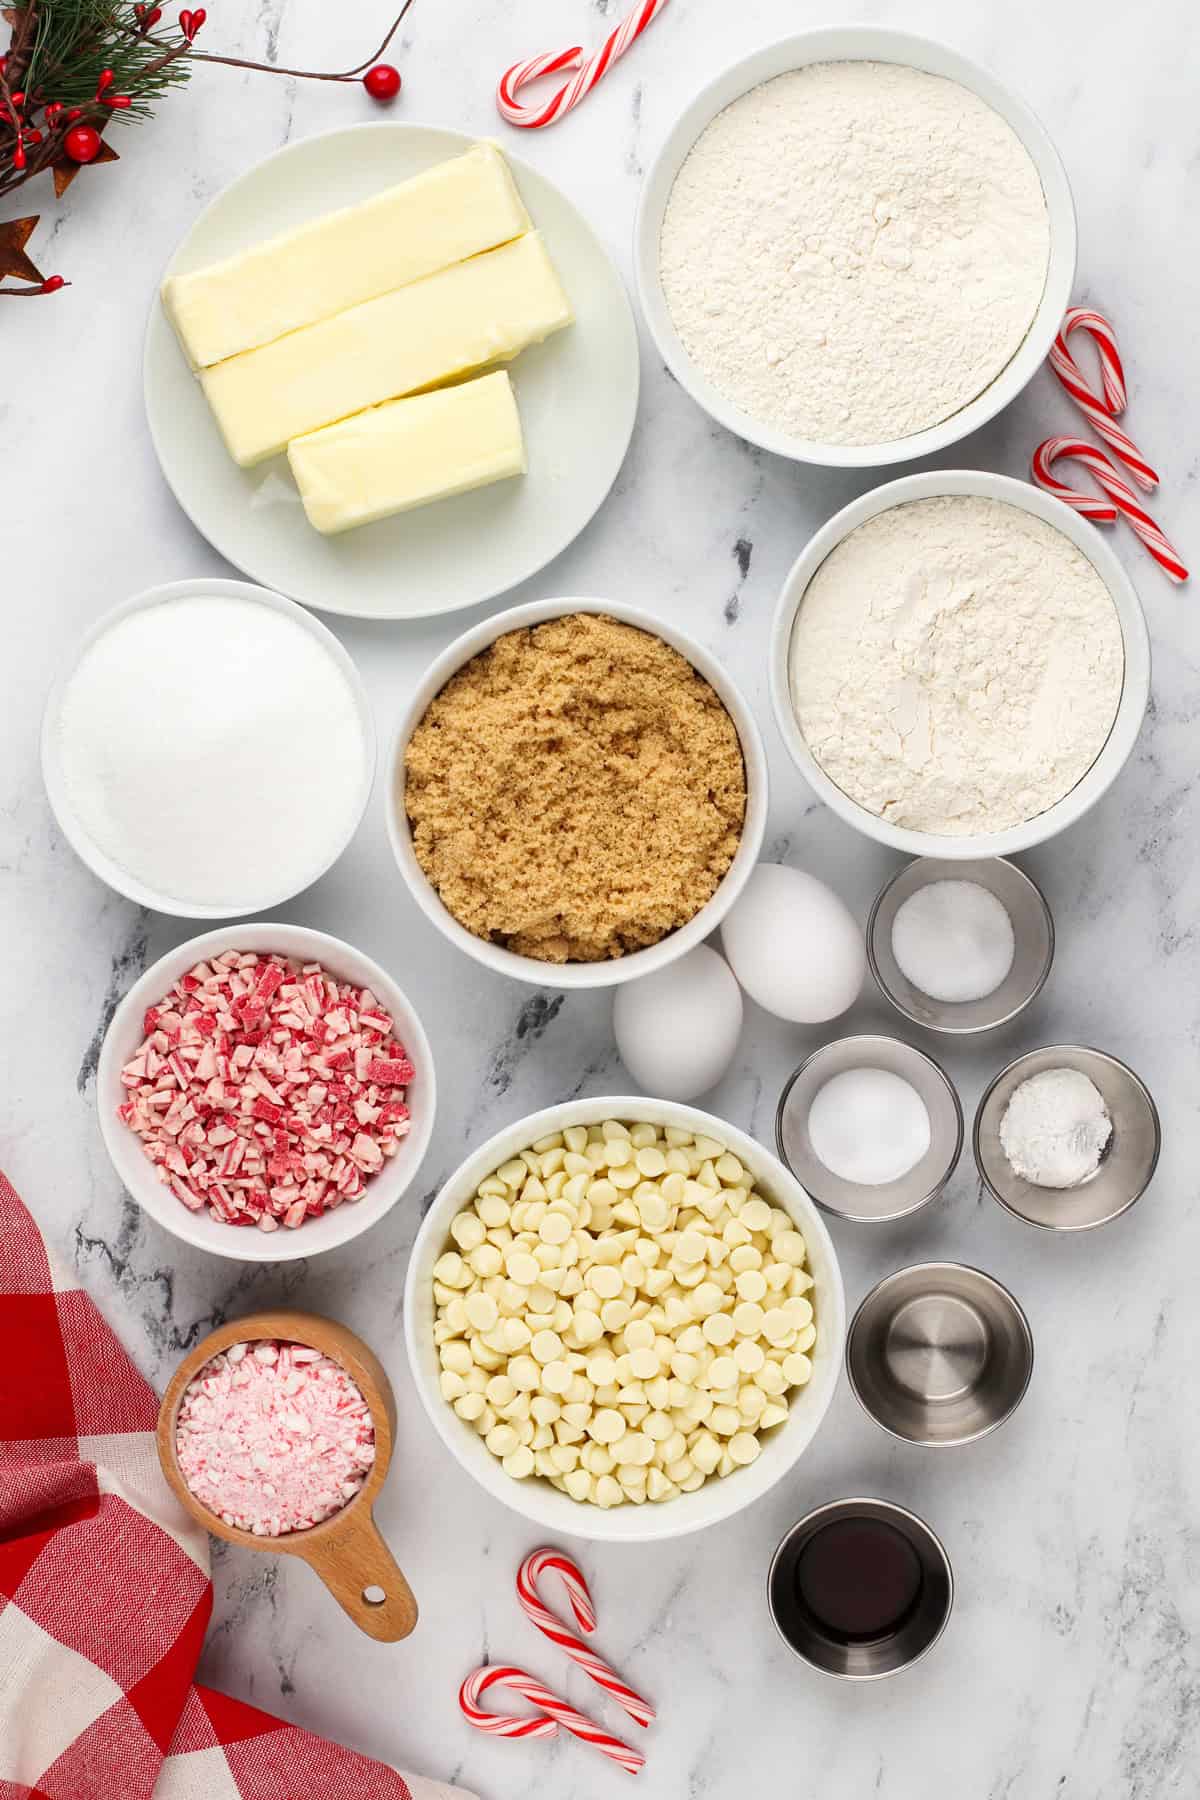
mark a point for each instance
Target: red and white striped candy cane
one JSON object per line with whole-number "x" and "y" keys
{"x": 512, "y": 1725}
{"x": 1121, "y": 502}
{"x": 555, "y": 1712}
{"x": 1100, "y": 410}
{"x": 580, "y": 1599}
{"x": 532, "y": 118}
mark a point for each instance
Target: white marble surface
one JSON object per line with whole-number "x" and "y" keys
{"x": 1069, "y": 1671}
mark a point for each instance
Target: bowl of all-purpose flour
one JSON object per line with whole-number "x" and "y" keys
{"x": 210, "y": 750}
{"x": 959, "y": 665}
{"x": 855, "y": 247}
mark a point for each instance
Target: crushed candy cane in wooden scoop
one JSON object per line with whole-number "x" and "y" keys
{"x": 274, "y": 1437}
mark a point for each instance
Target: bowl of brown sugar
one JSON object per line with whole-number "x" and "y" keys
{"x": 577, "y": 793}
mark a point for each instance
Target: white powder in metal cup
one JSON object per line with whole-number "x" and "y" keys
{"x": 212, "y": 748}
{"x": 1055, "y": 1129}
{"x": 869, "y": 1126}
{"x": 953, "y": 940}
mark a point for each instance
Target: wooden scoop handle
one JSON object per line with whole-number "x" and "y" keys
{"x": 354, "y": 1562}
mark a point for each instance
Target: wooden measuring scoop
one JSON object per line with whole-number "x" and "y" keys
{"x": 346, "y": 1550}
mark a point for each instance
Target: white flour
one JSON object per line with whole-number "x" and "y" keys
{"x": 956, "y": 665}
{"x": 854, "y": 251}
{"x": 1055, "y": 1129}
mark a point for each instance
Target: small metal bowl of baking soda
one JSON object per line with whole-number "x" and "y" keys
{"x": 939, "y": 1354}
{"x": 871, "y": 1127}
{"x": 1067, "y": 1138}
{"x": 960, "y": 947}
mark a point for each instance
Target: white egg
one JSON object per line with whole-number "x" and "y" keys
{"x": 677, "y": 1029}
{"x": 794, "y": 946}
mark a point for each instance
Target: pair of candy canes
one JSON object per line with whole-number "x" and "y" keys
{"x": 555, "y": 1712}
{"x": 1101, "y": 411}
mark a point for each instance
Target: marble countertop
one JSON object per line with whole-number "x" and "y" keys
{"x": 1069, "y": 1671}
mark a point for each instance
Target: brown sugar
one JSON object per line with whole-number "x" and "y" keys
{"x": 576, "y": 791}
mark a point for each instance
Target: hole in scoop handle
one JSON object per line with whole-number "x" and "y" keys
{"x": 356, "y": 1562}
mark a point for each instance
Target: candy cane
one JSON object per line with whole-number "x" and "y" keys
{"x": 555, "y": 1712}
{"x": 1100, "y": 410}
{"x": 590, "y": 72}
{"x": 580, "y": 1600}
{"x": 1124, "y": 501}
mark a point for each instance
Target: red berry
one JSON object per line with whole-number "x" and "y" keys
{"x": 52, "y": 284}
{"x": 382, "y": 82}
{"x": 82, "y": 144}
{"x": 105, "y": 82}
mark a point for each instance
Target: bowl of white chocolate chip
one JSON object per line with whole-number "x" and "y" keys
{"x": 625, "y": 1318}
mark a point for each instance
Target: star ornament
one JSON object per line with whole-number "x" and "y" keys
{"x": 14, "y": 235}
{"x": 65, "y": 171}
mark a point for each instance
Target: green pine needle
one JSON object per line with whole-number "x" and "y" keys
{"x": 75, "y": 39}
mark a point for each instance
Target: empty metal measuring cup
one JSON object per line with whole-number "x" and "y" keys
{"x": 939, "y": 1354}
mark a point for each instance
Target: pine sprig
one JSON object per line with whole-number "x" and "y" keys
{"x": 72, "y": 67}
{"x": 73, "y": 40}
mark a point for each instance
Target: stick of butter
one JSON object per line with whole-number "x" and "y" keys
{"x": 482, "y": 311}
{"x": 408, "y": 452}
{"x": 454, "y": 210}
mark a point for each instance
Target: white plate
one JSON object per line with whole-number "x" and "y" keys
{"x": 577, "y": 394}
{"x": 856, "y": 43}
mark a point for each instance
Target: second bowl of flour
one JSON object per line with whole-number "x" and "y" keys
{"x": 959, "y": 665}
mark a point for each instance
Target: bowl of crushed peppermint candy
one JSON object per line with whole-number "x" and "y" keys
{"x": 266, "y": 1092}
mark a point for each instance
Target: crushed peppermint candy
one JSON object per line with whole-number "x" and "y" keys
{"x": 274, "y": 1437}
{"x": 266, "y": 1090}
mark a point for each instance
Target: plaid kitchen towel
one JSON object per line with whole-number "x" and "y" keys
{"x": 104, "y": 1589}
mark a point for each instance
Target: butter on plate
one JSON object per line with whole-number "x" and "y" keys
{"x": 458, "y": 208}
{"x": 409, "y": 452}
{"x": 478, "y": 312}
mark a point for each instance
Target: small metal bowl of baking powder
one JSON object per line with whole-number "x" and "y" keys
{"x": 1033, "y": 933}
{"x": 1126, "y": 1168}
{"x": 854, "y": 1200}
{"x": 939, "y": 1354}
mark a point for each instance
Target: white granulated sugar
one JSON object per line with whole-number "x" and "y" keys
{"x": 956, "y": 665}
{"x": 212, "y": 748}
{"x": 853, "y": 251}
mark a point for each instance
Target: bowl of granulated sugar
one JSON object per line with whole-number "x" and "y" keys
{"x": 210, "y": 749}
{"x": 854, "y": 247}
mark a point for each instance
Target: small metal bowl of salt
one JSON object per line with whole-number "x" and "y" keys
{"x": 960, "y": 947}
{"x": 871, "y": 1127}
{"x": 1067, "y": 1138}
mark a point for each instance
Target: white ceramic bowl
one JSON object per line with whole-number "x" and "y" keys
{"x": 535, "y": 1499}
{"x": 856, "y": 43}
{"x": 615, "y": 969}
{"x": 81, "y": 842}
{"x": 1135, "y": 689}
{"x": 245, "y": 1243}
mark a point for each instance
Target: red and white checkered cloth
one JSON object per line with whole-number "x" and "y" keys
{"x": 104, "y": 1589}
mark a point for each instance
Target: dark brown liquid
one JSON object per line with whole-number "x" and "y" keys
{"x": 858, "y": 1579}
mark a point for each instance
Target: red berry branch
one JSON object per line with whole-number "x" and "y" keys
{"x": 72, "y": 67}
